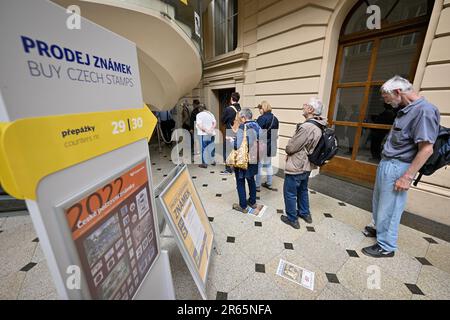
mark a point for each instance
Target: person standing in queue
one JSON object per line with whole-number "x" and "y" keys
{"x": 230, "y": 120}
{"x": 298, "y": 167}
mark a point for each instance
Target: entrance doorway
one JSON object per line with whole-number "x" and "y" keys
{"x": 366, "y": 59}
{"x": 223, "y": 96}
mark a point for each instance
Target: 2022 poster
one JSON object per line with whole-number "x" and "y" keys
{"x": 114, "y": 233}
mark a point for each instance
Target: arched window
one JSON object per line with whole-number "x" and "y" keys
{"x": 366, "y": 59}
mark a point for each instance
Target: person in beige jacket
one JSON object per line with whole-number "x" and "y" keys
{"x": 298, "y": 168}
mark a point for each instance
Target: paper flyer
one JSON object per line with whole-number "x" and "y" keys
{"x": 296, "y": 274}
{"x": 258, "y": 212}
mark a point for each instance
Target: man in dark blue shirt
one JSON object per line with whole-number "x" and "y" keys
{"x": 230, "y": 121}
{"x": 407, "y": 148}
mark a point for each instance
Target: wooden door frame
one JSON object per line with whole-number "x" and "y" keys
{"x": 356, "y": 170}
{"x": 216, "y": 92}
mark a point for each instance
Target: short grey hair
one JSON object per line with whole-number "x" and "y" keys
{"x": 396, "y": 83}
{"x": 317, "y": 105}
{"x": 246, "y": 113}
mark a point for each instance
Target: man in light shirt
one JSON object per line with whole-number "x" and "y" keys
{"x": 206, "y": 130}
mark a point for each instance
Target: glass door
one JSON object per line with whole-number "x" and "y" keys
{"x": 357, "y": 111}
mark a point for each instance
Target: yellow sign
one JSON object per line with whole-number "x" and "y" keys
{"x": 185, "y": 2}
{"x": 189, "y": 219}
{"x": 33, "y": 148}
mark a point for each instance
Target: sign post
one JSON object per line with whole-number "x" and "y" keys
{"x": 74, "y": 144}
{"x": 187, "y": 219}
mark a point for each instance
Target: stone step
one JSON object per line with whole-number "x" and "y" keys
{"x": 8, "y": 203}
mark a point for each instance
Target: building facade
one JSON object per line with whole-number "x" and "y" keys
{"x": 287, "y": 51}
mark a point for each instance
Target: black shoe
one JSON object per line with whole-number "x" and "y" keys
{"x": 225, "y": 172}
{"x": 370, "y": 232}
{"x": 286, "y": 220}
{"x": 307, "y": 218}
{"x": 204, "y": 166}
{"x": 376, "y": 251}
{"x": 267, "y": 186}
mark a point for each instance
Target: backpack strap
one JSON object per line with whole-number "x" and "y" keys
{"x": 418, "y": 179}
{"x": 318, "y": 125}
{"x": 321, "y": 127}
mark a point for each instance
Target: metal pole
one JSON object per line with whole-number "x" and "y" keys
{"x": 159, "y": 137}
{"x": 177, "y": 146}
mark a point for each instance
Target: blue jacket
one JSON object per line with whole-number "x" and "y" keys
{"x": 253, "y": 132}
{"x": 269, "y": 122}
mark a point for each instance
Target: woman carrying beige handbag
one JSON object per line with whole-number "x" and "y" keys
{"x": 246, "y": 137}
{"x": 239, "y": 158}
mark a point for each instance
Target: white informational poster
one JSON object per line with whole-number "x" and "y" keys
{"x": 193, "y": 224}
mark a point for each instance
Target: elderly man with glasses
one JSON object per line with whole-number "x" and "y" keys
{"x": 298, "y": 168}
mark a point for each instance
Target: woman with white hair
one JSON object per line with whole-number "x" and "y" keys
{"x": 298, "y": 168}
{"x": 253, "y": 131}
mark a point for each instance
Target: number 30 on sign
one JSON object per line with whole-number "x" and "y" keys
{"x": 121, "y": 125}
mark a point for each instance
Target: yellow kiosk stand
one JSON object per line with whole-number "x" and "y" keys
{"x": 77, "y": 151}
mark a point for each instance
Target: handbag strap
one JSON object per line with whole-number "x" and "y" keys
{"x": 244, "y": 137}
{"x": 271, "y": 124}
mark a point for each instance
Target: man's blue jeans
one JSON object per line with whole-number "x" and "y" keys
{"x": 265, "y": 164}
{"x": 240, "y": 186}
{"x": 296, "y": 198}
{"x": 208, "y": 149}
{"x": 388, "y": 204}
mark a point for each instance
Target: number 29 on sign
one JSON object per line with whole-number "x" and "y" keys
{"x": 121, "y": 125}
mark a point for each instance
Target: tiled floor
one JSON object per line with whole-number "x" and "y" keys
{"x": 248, "y": 251}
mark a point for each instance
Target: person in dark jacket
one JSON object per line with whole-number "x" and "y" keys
{"x": 253, "y": 131}
{"x": 195, "y": 111}
{"x": 269, "y": 124}
{"x": 228, "y": 120}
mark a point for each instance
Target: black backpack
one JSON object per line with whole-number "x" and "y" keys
{"x": 326, "y": 148}
{"x": 440, "y": 157}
